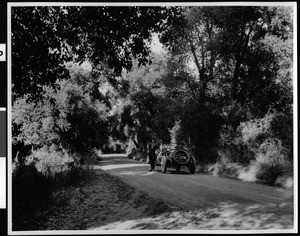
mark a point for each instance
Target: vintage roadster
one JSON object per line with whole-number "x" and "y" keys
{"x": 176, "y": 159}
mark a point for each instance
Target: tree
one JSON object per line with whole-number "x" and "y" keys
{"x": 229, "y": 61}
{"x": 222, "y": 42}
{"x": 66, "y": 118}
{"x": 107, "y": 36}
{"x": 146, "y": 113}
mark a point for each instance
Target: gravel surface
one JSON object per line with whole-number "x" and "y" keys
{"x": 204, "y": 202}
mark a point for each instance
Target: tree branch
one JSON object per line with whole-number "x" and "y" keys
{"x": 195, "y": 57}
{"x": 191, "y": 88}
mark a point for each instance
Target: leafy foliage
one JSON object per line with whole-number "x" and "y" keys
{"x": 83, "y": 79}
{"x": 146, "y": 113}
{"x": 82, "y": 85}
{"x": 229, "y": 65}
{"x": 261, "y": 140}
{"x": 110, "y": 36}
{"x": 64, "y": 122}
{"x": 67, "y": 118}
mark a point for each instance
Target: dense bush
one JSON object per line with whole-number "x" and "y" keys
{"x": 258, "y": 136}
{"x": 50, "y": 160}
{"x": 67, "y": 118}
{"x": 225, "y": 168}
{"x": 263, "y": 146}
{"x": 282, "y": 129}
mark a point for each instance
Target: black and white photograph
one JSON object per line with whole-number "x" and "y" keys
{"x": 152, "y": 117}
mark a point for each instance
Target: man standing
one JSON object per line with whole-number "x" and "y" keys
{"x": 152, "y": 157}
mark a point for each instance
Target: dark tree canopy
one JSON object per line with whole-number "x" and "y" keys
{"x": 224, "y": 66}
{"x": 44, "y": 38}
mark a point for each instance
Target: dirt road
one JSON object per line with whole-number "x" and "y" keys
{"x": 230, "y": 203}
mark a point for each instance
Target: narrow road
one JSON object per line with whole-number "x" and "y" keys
{"x": 199, "y": 191}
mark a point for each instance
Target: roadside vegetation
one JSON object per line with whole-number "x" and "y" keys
{"x": 223, "y": 85}
{"x": 260, "y": 152}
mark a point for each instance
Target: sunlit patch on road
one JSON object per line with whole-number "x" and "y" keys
{"x": 132, "y": 173}
{"x": 141, "y": 173}
{"x": 115, "y": 155}
{"x": 119, "y": 166}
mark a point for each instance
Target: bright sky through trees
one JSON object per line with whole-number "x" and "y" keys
{"x": 156, "y": 46}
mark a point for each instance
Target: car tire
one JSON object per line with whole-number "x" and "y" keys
{"x": 176, "y": 156}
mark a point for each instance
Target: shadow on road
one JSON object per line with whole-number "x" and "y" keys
{"x": 227, "y": 216}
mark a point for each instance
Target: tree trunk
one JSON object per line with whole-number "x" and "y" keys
{"x": 202, "y": 90}
{"x": 135, "y": 142}
{"x": 239, "y": 59}
{"x": 235, "y": 79}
